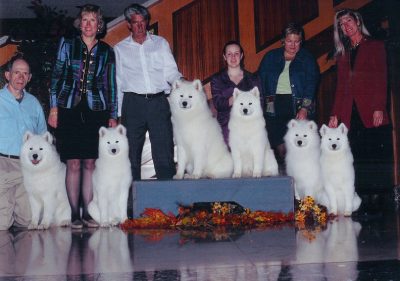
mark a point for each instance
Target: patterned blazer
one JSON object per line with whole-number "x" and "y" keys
{"x": 87, "y": 75}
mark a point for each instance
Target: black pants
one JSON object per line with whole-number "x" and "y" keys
{"x": 277, "y": 125}
{"x": 372, "y": 149}
{"x": 140, "y": 114}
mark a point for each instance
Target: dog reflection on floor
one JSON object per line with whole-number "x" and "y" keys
{"x": 336, "y": 247}
{"x": 110, "y": 250}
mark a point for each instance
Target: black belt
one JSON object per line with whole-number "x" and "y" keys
{"x": 147, "y": 95}
{"x": 9, "y": 156}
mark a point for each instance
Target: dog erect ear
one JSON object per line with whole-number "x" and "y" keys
{"x": 48, "y": 137}
{"x": 27, "y": 136}
{"x": 323, "y": 130}
{"x": 235, "y": 94}
{"x": 343, "y": 128}
{"x": 121, "y": 130}
{"x": 197, "y": 85}
{"x": 292, "y": 123}
{"x": 176, "y": 84}
{"x": 102, "y": 131}
{"x": 255, "y": 92}
{"x": 312, "y": 125}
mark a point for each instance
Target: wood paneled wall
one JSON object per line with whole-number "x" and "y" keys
{"x": 200, "y": 31}
{"x": 271, "y": 17}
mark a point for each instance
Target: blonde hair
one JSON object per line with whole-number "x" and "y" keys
{"x": 89, "y": 8}
{"x": 342, "y": 42}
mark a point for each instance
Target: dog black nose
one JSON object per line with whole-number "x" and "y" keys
{"x": 35, "y": 156}
{"x": 184, "y": 103}
{"x": 245, "y": 110}
{"x": 299, "y": 142}
{"x": 334, "y": 146}
{"x": 113, "y": 150}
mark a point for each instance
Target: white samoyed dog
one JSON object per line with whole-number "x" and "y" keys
{"x": 112, "y": 178}
{"x": 251, "y": 152}
{"x": 201, "y": 150}
{"x": 302, "y": 143}
{"x": 44, "y": 180}
{"x": 338, "y": 171}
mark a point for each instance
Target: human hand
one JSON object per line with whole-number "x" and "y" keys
{"x": 377, "y": 118}
{"x": 333, "y": 122}
{"x": 301, "y": 114}
{"x": 230, "y": 101}
{"x": 53, "y": 118}
{"x": 112, "y": 123}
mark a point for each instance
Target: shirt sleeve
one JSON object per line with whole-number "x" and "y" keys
{"x": 171, "y": 72}
{"x": 220, "y": 101}
{"x": 62, "y": 57}
{"x": 312, "y": 79}
{"x": 118, "y": 75}
{"x": 41, "y": 126}
{"x": 110, "y": 81}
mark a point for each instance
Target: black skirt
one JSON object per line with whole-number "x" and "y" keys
{"x": 77, "y": 133}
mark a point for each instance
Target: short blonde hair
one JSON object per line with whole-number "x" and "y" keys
{"x": 90, "y": 8}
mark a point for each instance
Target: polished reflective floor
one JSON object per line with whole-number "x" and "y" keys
{"x": 365, "y": 247}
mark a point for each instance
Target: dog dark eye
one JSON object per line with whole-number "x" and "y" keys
{"x": 181, "y": 96}
{"x": 108, "y": 142}
{"x": 305, "y": 136}
{"x": 31, "y": 148}
{"x": 250, "y": 103}
{"x": 190, "y": 97}
{"x": 297, "y": 135}
{"x": 241, "y": 103}
{"x": 338, "y": 138}
{"x": 116, "y": 141}
{"x": 40, "y": 148}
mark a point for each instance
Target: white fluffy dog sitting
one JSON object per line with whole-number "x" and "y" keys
{"x": 112, "y": 178}
{"x": 251, "y": 152}
{"x": 338, "y": 171}
{"x": 201, "y": 149}
{"x": 302, "y": 143}
{"x": 44, "y": 180}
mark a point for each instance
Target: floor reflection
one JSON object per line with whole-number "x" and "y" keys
{"x": 341, "y": 251}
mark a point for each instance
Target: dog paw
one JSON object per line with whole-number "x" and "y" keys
{"x": 236, "y": 175}
{"x": 65, "y": 223}
{"x": 32, "y": 226}
{"x": 347, "y": 214}
{"x": 114, "y": 222}
{"x": 43, "y": 226}
{"x": 196, "y": 176}
{"x": 188, "y": 176}
{"x": 178, "y": 177}
{"x": 257, "y": 175}
{"x": 104, "y": 224}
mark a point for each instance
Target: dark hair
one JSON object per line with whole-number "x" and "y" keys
{"x": 90, "y": 8}
{"x": 237, "y": 43}
{"x": 18, "y": 56}
{"x": 137, "y": 9}
{"x": 293, "y": 28}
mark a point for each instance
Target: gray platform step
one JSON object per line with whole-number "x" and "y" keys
{"x": 266, "y": 194}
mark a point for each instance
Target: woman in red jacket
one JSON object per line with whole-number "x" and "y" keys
{"x": 361, "y": 91}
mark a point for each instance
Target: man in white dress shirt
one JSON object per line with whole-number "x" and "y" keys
{"x": 145, "y": 70}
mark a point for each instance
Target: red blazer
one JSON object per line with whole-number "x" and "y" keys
{"x": 366, "y": 84}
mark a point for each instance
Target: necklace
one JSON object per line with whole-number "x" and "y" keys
{"x": 354, "y": 46}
